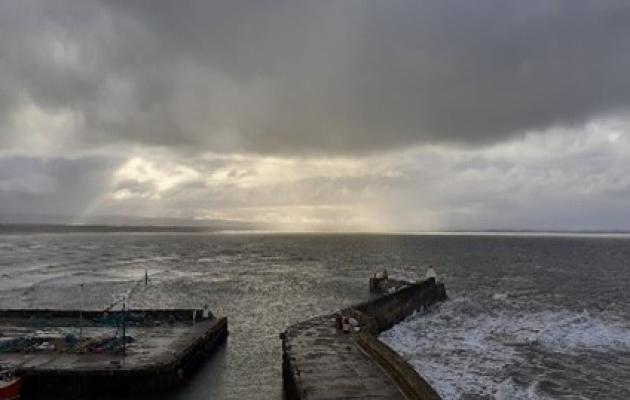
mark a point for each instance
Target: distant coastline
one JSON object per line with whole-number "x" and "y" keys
{"x": 250, "y": 228}
{"x": 89, "y": 228}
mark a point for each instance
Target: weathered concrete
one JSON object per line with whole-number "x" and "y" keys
{"x": 325, "y": 364}
{"x": 406, "y": 378}
{"x": 167, "y": 348}
{"x": 149, "y": 316}
{"x": 391, "y": 308}
{"x": 380, "y": 284}
{"x": 320, "y": 362}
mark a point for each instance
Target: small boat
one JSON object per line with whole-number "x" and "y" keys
{"x": 10, "y": 386}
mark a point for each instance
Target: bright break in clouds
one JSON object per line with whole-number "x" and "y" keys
{"x": 358, "y": 115}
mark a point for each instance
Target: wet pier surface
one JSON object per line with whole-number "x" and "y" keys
{"x": 320, "y": 362}
{"x": 330, "y": 364}
{"x": 58, "y": 355}
{"x": 150, "y": 346}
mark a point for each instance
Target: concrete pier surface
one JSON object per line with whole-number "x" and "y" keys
{"x": 58, "y": 354}
{"x": 323, "y": 363}
{"x": 320, "y": 362}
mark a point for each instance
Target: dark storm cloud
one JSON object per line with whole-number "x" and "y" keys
{"x": 325, "y": 76}
{"x": 59, "y": 186}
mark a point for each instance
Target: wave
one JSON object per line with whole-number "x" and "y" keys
{"x": 466, "y": 349}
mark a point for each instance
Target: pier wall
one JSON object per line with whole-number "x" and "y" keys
{"x": 406, "y": 377}
{"x": 53, "y": 383}
{"x": 391, "y": 308}
{"x": 305, "y": 346}
{"x": 152, "y": 314}
{"x": 94, "y": 375}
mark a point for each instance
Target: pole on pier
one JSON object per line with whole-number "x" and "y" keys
{"x": 146, "y": 277}
{"x": 81, "y": 311}
{"x": 123, "y": 326}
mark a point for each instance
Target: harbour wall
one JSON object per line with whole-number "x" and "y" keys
{"x": 51, "y": 383}
{"x": 375, "y": 316}
{"x": 149, "y": 314}
{"x": 155, "y": 375}
{"x": 385, "y": 311}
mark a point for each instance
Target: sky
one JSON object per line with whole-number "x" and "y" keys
{"x": 360, "y": 115}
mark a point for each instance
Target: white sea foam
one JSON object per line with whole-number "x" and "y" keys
{"x": 463, "y": 349}
{"x": 500, "y": 296}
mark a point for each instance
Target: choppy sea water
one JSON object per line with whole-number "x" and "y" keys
{"x": 529, "y": 317}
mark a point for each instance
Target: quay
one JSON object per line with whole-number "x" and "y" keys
{"x": 71, "y": 354}
{"x": 322, "y": 363}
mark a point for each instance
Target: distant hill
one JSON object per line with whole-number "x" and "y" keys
{"x": 103, "y": 223}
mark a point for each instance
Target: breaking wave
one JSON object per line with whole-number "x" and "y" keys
{"x": 469, "y": 350}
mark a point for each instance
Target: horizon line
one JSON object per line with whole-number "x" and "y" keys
{"x": 217, "y": 229}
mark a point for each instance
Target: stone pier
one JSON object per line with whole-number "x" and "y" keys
{"x": 322, "y": 363}
{"x": 69, "y": 354}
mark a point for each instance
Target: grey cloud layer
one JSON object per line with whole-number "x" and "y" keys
{"x": 559, "y": 179}
{"x": 339, "y": 77}
{"x": 63, "y": 186}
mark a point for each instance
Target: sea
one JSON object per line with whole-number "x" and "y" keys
{"x": 529, "y": 316}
